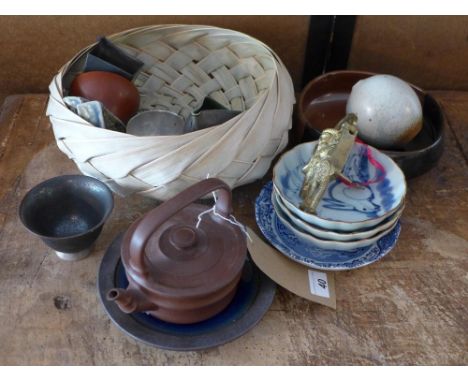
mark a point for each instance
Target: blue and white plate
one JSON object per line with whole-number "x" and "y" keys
{"x": 342, "y": 207}
{"x": 303, "y": 252}
{"x": 367, "y": 233}
{"x": 327, "y": 243}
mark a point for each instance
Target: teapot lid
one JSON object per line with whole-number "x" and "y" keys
{"x": 167, "y": 253}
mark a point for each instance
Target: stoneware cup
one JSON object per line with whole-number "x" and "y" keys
{"x": 67, "y": 213}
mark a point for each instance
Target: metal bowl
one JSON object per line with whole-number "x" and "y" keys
{"x": 156, "y": 122}
{"x": 323, "y": 103}
{"x": 67, "y": 212}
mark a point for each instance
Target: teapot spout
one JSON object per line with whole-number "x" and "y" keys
{"x": 130, "y": 300}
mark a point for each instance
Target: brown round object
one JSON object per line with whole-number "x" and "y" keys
{"x": 179, "y": 272}
{"x": 116, "y": 93}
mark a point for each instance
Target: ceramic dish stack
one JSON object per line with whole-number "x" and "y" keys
{"x": 354, "y": 225}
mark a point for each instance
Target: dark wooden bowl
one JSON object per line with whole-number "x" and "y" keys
{"x": 322, "y": 104}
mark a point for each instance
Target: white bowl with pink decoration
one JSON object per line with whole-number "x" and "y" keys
{"x": 378, "y": 188}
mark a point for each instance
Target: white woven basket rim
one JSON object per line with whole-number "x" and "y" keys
{"x": 256, "y": 135}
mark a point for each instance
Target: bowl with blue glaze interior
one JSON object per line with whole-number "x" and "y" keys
{"x": 327, "y": 243}
{"x": 379, "y": 193}
{"x": 300, "y": 225}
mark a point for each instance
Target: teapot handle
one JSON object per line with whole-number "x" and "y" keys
{"x": 151, "y": 221}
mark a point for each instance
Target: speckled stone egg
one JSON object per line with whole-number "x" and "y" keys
{"x": 388, "y": 109}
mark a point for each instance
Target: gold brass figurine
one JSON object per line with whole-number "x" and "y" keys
{"x": 327, "y": 161}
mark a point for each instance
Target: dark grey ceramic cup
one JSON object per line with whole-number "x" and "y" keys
{"x": 67, "y": 212}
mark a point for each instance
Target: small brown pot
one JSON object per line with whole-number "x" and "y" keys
{"x": 179, "y": 272}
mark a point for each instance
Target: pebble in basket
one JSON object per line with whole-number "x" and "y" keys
{"x": 182, "y": 65}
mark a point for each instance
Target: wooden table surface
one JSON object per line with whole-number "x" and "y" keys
{"x": 409, "y": 308}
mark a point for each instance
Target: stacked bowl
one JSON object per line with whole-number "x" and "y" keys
{"x": 354, "y": 224}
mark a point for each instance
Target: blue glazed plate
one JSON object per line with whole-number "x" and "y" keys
{"x": 303, "y": 252}
{"x": 342, "y": 207}
{"x": 252, "y": 300}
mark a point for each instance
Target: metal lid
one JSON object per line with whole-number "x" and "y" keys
{"x": 165, "y": 251}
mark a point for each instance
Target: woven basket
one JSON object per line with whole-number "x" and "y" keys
{"x": 182, "y": 65}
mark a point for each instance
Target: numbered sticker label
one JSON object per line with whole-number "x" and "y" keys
{"x": 318, "y": 283}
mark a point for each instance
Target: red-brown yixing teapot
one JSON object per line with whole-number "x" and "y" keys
{"x": 177, "y": 272}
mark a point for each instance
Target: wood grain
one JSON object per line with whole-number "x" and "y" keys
{"x": 410, "y": 308}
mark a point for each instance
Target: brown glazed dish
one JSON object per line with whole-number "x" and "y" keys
{"x": 177, "y": 272}
{"x": 322, "y": 104}
{"x": 116, "y": 93}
